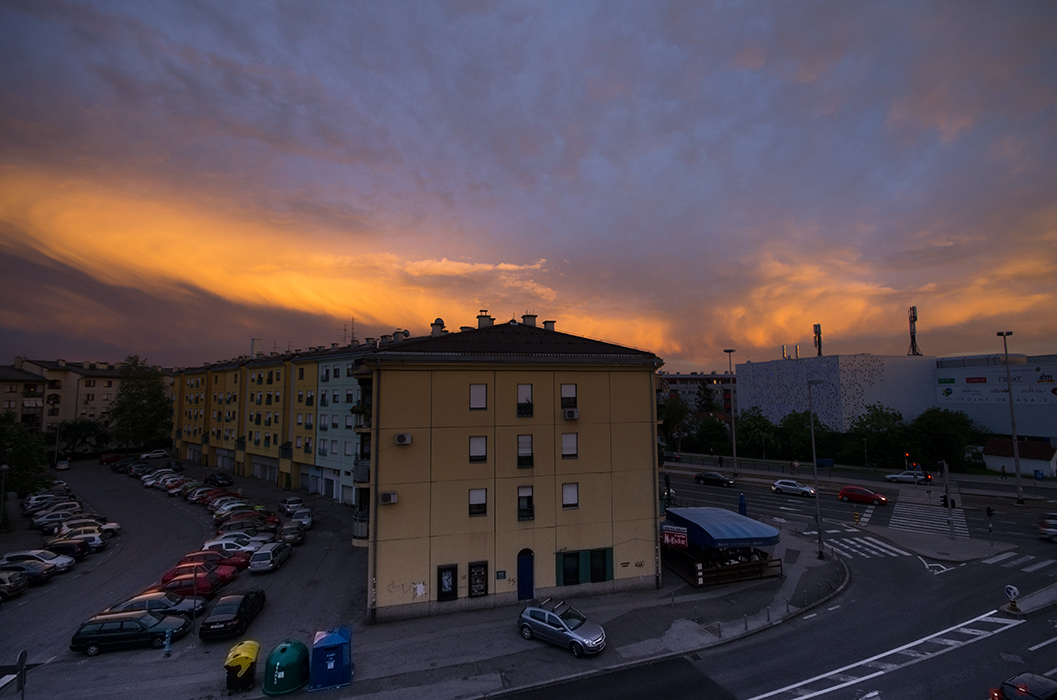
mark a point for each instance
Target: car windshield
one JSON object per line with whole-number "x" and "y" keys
{"x": 261, "y": 556}
{"x": 226, "y": 607}
{"x": 150, "y": 619}
{"x": 572, "y": 618}
{"x": 45, "y": 554}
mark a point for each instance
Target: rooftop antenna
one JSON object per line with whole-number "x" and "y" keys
{"x": 818, "y": 338}
{"x": 913, "y": 314}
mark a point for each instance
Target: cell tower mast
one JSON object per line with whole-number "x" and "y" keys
{"x": 818, "y": 338}
{"x": 913, "y": 314}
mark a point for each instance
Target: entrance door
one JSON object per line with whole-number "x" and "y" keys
{"x": 526, "y": 574}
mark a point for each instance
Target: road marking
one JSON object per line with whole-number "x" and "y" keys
{"x": 1000, "y": 557}
{"x": 924, "y": 648}
{"x": 1016, "y": 562}
{"x": 1039, "y": 646}
{"x": 1035, "y": 567}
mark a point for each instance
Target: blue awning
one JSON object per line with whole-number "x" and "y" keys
{"x": 716, "y": 528}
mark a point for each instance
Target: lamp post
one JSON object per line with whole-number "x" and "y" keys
{"x": 733, "y": 410}
{"x": 814, "y": 463}
{"x": 3, "y": 491}
{"x": 1012, "y": 417}
{"x": 865, "y": 454}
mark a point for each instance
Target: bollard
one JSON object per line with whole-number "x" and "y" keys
{"x": 768, "y": 614}
{"x": 746, "y": 623}
{"x": 696, "y": 618}
{"x": 719, "y": 629}
{"x": 168, "y": 641}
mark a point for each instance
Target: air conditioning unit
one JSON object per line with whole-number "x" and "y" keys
{"x": 388, "y": 497}
{"x": 403, "y": 438}
{"x": 572, "y": 413}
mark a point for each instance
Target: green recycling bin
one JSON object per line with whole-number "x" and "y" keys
{"x": 287, "y": 668}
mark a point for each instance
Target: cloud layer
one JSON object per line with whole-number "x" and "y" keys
{"x": 178, "y": 178}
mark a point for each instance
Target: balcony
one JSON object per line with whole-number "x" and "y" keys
{"x": 323, "y": 401}
{"x": 323, "y": 426}
{"x": 309, "y": 400}
{"x": 361, "y": 471}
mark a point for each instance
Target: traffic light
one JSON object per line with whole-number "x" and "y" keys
{"x": 943, "y": 500}
{"x": 990, "y": 511}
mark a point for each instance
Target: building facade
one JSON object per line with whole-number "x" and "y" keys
{"x": 22, "y": 393}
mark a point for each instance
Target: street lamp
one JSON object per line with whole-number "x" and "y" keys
{"x": 814, "y": 462}
{"x": 1012, "y": 417}
{"x": 733, "y": 410}
{"x": 3, "y": 491}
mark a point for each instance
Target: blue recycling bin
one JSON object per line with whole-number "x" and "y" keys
{"x": 331, "y": 659}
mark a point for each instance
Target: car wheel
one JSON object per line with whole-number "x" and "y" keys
{"x": 844, "y": 498}
{"x": 699, "y": 481}
{"x": 157, "y": 642}
{"x": 92, "y": 649}
{"x": 876, "y": 502}
{"x": 778, "y": 491}
{"x": 578, "y": 651}
{"x": 526, "y": 631}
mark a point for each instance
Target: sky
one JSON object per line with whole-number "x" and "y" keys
{"x": 178, "y": 178}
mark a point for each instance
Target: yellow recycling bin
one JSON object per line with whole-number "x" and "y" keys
{"x": 241, "y": 665}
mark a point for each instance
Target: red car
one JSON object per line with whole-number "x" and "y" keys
{"x": 205, "y": 584}
{"x": 226, "y": 572}
{"x": 862, "y": 495}
{"x": 240, "y": 561}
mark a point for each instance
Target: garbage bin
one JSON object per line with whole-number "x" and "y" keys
{"x": 287, "y": 668}
{"x": 241, "y": 665}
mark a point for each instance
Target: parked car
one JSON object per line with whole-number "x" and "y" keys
{"x": 223, "y": 571}
{"x": 561, "y": 624}
{"x": 1026, "y": 686}
{"x": 220, "y": 479}
{"x": 240, "y": 560}
{"x": 62, "y": 465}
{"x": 91, "y": 536}
{"x": 1048, "y": 526}
{"x": 672, "y": 457}
{"x": 288, "y": 505}
{"x": 60, "y": 561}
{"x": 250, "y": 527}
{"x": 292, "y": 533}
{"x": 909, "y": 477}
{"x": 232, "y": 614}
{"x": 127, "y": 629}
{"x": 270, "y": 557}
{"x": 76, "y": 548}
{"x": 303, "y": 516}
{"x": 232, "y": 546}
{"x": 110, "y": 458}
{"x": 12, "y": 583}
{"x": 713, "y": 479}
{"x": 50, "y": 518}
{"x": 37, "y": 572}
{"x": 154, "y": 454}
{"x": 860, "y": 494}
{"x": 790, "y": 486}
{"x": 175, "y": 464}
{"x": 107, "y": 528}
{"x": 204, "y": 584}
{"x": 163, "y": 603}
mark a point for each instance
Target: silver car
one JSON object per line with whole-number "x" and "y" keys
{"x": 790, "y": 486}
{"x": 563, "y": 625}
{"x": 61, "y": 562}
{"x": 909, "y": 477}
{"x": 270, "y": 557}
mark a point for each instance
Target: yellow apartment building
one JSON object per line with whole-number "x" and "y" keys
{"x": 265, "y": 416}
{"x": 509, "y": 461}
{"x": 303, "y": 405}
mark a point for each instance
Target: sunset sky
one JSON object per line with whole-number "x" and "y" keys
{"x": 177, "y": 178}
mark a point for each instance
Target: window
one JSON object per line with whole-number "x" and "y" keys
{"x": 478, "y": 397}
{"x": 298, "y": 442}
{"x": 478, "y": 572}
{"x": 524, "y": 503}
{"x": 333, "y": 447}
{"x": 569, "y": 446}
{"x": 570, "y": 568}
{"x": 300, "y": 397}
{"x": 447, "y": 588}
{"x": 89, "y": 382}
{"x": 299, "y": 418}
{"x": 334, "y": 421}
{"x": 524, "y": 451}
{"x": 524, "y": 400}
{"x": 478, "y": 448}
{"x": 300, "y": 372}
{"x": 568, "y": 396}
{"x": 336, "y": 396}
{"x": 109, "y": 383}
{"x": 349, "y": 396}
{"x": 478, "y": 502}
{"x": 89, "y": 397}
{"x": 571, "y": 495}
{"x": 350, "y": 422}
{"x": 348, "y": 448}
{"x": 337, "y": 371}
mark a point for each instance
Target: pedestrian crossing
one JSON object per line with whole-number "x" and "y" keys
{"x": 1025, "y": 562}
{"x": 864, "y": 547}
{"x": 918, "y": 510}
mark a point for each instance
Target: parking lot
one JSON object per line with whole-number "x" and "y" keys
{"x": 323, "y": 585}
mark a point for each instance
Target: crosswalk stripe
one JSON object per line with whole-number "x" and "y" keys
{"x": 999, "y": 557}
{"x": 1017, "y": 562}
{"x": 865, "y": 547}
{"x": 1035, "y": 567}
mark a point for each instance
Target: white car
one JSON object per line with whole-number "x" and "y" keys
{"x": 909, "y": 477}
{"x": 794, "y": 487}
{"x": 233, "y": 546}
{"x": 108, "y": 529}
{"x": 154, "y": 454}
{"x": 60, "y": 561}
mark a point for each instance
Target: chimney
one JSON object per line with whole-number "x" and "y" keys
{"x": 797, "y": 347}
{"x": 465, "y": 328}
{"x": 334, "y": 346}
{"x": 529, "y": 319}
{"x": 548, "y": 325}
{"x": 386, "y": 339}
{"x": 483, "y": 319}
{"x": 62, "y": 363}
{"x": 437, "y": 327}
{"x": 784, "y": 356}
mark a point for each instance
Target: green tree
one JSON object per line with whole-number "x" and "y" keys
{"x": 794, "y": 434}
{"x": 676, "y": 421}
{"x": 23, "y": 452}
{"x": 940, "y": 434}
{"x": 79, "y": 434}
{"x": 141, "y": 413}
{"x": 756, "y": 434}
{"x": 885, "y": 436}
{"x": 705, "y": 401}
{"x": 711, "y": 436}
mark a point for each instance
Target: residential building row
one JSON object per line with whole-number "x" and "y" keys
{"x": 46, "y": 393}
{"x": 493, "y": 464}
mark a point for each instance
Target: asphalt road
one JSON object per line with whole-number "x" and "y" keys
{"x": 322, "y": 586}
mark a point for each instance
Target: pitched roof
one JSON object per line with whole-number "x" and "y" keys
{"x": 10, "y": 373}
{"x": 1003, "y": 447}
{"x": 513, "y": 342}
